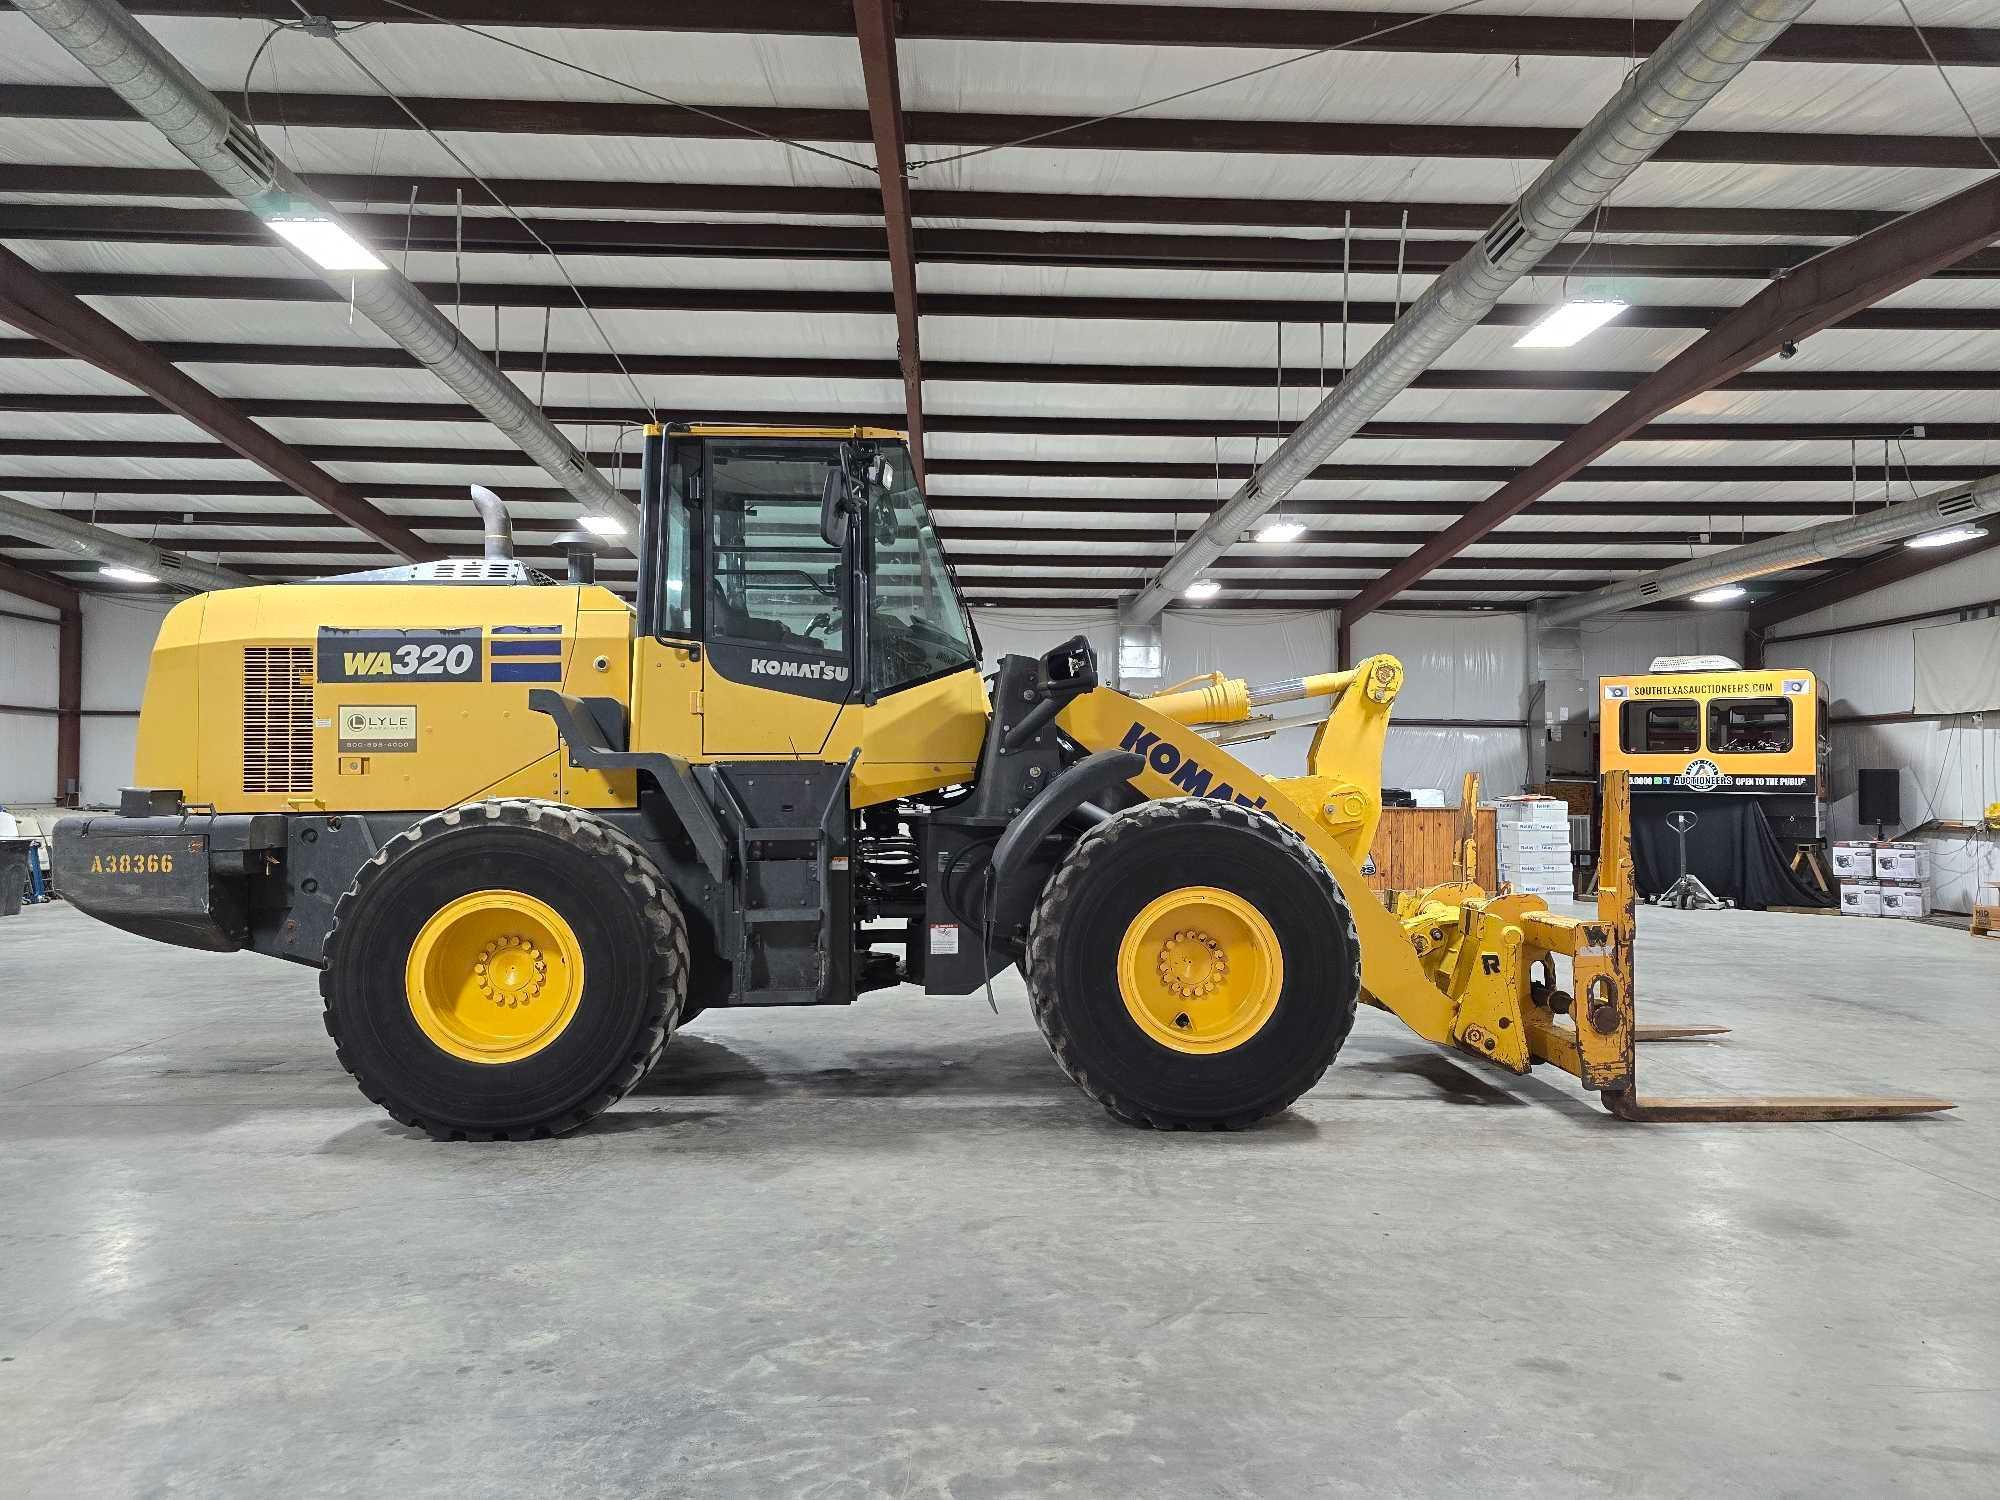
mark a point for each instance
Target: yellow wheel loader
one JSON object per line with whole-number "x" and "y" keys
{"x": 524, "y": 830}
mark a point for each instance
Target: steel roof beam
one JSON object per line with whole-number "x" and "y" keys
{"x": 35, "y": 304}
{"x": 999, "y": 372}
{"x": 1001, "y": 423}
{"x": 1259, "y": 310}
{"x": 875, "y": 29}
{"x": 1673, "y": 543}
{"x": 1818, "y": 295}
{"x": 361, "y": 189}
{"x": 367, "y": 453}
{"x": 36, "y": 101}
{"x": 1207, "y": 26}
{"x": 439, "y": 233}
{"x": 1898, "y": 565}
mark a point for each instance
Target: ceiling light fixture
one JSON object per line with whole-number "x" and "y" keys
{"x": 1280, "y": 531}
{"x": 1568, "y": 324}
{"x": 125, "y": 575}
{"x": 1950, "y": 537}
{"x": 603, "y": 525}
{"x": 326, "y": 244}
{"x": 1202, "y": 588}
{"x": 1721, "y": 594}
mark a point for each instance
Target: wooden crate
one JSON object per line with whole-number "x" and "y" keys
{"x": 1414, "y": 847}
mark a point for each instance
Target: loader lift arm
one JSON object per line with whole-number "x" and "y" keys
{"x": 1461, "y": 968}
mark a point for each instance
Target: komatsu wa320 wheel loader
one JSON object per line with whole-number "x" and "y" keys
{"x": 524, "y": 830}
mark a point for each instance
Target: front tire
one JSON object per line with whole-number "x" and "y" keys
{"x": 504, "y": 970}
{"x": 1192, "y": 965}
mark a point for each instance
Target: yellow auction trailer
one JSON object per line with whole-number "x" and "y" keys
{"x": 1723, "y": 733}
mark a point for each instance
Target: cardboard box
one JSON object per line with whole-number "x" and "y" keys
{"x": 1860, "y": 898}
{"x": 1905, "y": 900}
{"x": 1544, "y": 812}
{"x": 1853, "y": 861}
{"x": 1531, "y": 836}
{"x": 1537, "y": 867}
{"x": 1902, "y": 862}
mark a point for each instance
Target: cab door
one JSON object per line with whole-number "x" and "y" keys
{"x": 777, "y": 603}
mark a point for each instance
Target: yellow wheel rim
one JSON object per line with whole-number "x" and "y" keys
{"x": 495, "y": 976}
{"x": 1200, "y": 969}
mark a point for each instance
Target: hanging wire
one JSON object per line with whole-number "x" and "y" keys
{"x": 1950, "y": 87}
{"x": 719, "y": 116}
{"x": 1187, "y": 93}
{"x": 529, "y": 229}
{"x": 542, "y": 395}
{"x": 409, "y": 228}
{"x": 1402, "y": 244}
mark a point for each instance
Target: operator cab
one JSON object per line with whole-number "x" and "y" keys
{"x": 804, "y": 560}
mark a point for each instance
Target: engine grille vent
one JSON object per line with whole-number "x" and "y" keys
{"x": 277, "y": 719}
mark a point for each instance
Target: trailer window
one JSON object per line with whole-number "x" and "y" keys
{"x": 1668, "y": 727}
{"x": 1750, "y": 726}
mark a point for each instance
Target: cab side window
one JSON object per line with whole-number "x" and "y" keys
{"x": 773, "y": 580}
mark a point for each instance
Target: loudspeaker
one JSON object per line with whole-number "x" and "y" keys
{"x": 1881, "y": 797}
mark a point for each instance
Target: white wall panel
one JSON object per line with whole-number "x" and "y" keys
{"x": 1257, "y": 645}
{"x": 1624, "y": 644}
{"x": 117, "y": 648}
{"x": 27, "y": 678}
{"x": 27, "y": 758}
{"x": 27, "y": 655}
{"x": 1465, "y": 665}
{"x": 106, "y": 758}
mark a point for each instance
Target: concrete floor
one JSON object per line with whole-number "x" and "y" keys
{"x": 890, "y": 1251}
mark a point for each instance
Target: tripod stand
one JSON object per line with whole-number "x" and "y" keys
{"x": 1687, "y": 893}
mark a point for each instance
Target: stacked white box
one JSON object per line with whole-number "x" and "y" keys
{"x": 1860, "y": 898}
{"x": 1853, "y": 861}
{"x": 1905, "y": 899}
{"x": 1903, "y": 862}
{"x": 1534, "y": 845}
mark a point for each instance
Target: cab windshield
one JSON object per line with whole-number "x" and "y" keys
{"x": 917, "y": 628}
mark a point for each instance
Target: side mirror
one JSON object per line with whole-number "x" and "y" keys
{"x": 833, "y": 512}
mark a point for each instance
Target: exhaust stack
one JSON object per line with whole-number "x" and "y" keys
{"x": 498, "y": 538}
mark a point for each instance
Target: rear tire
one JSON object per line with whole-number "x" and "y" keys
{"x": 594, "y": 952}
{"x": 1108, "y": 921}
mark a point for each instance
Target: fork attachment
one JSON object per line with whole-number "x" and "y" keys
{"x": 1590, "y": 1031}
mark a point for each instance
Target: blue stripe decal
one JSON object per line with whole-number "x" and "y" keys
{"x": 527, "y": 671}
{"x": 527, "y": 630}
{"x": 551, "y": 647}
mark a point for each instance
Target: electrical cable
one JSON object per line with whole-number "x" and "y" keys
{"x": 694, "y": 109}
{"x": 1187, "y": 93}
{"x": 527, "y": 228}
{"x": 1950, "y": 87}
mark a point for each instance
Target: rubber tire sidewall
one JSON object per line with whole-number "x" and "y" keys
{"x": 1080, "y": 922}
{"x": 568, "y": 1080}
